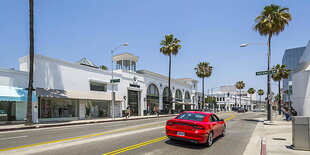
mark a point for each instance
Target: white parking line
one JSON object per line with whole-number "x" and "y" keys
{"x": 13, "y": 137}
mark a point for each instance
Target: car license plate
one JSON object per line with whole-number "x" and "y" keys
{"x": 180, "y": 133}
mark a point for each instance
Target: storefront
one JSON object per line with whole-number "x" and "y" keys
{"x": 97, "y": 109}
{"x": 133, "y": 102}
{"x": 152, "y": 99}
{"x": 58, "y": 108}
{"x": 13, "y": 103}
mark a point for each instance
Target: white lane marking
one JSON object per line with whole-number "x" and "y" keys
{"x": 67, "y": 144}
{"x": 13, "y": 137}
{"x": 75, "y": 126}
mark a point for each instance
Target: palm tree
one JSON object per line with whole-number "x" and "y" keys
{"x": 103, "y": 67}
{"x": 170, "y": 46}
{"x": 271, "y": 22}
{"x": 260, "y": 92}
{"x": 282, "y": 73}
{"x": 203, "y": 70}
{"x": 251, "y": 91}
{"x": 31, "y": 60}
{"x": 240, "y": 85}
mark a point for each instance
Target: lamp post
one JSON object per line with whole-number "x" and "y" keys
{"x": 113, "y": 93}
{"x": 269, "y": 118}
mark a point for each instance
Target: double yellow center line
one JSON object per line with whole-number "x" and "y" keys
{"x": 153, "y": 141}
{"x": 80, "y": 137}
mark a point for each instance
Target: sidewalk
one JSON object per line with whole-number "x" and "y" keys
{"x": 277, "y": 137}
{"x": 77, "y": 122}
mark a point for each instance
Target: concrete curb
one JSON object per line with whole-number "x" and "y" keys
{"x": 78, "y": 123}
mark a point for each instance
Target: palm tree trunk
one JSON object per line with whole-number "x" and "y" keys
{"x": 31, "y": 57}
{"x": 251, "y": 104}
{"x": 279, "y": 102}
{"x": 169, "y": 97}
{"x": 203, "y": 94}
{"x": 240, "y": 98}
{"x": 269, "y": 118}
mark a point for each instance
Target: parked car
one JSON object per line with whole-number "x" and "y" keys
{"x": 235, "y": 108}
{"x": 241, "y": 110}
{"x": 259, "y": 110}
{"x": 195, "y": 127}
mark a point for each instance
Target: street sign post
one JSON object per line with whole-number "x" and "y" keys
{"x": 115, "y": 80}
{"x": 266, "y": 72}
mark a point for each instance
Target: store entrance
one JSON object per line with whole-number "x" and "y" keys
{"x": 133, "y": 102}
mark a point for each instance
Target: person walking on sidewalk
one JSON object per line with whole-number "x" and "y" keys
{"x": 128, "y": 112}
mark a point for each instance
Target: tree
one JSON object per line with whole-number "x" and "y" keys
{"x": 170, "y": 46}
{"x": 103, "y": 67}
{"x": 211, "y": 100}
{"x": 251, "y": 91}
{"x": 31, "y": 61}
{"x": 282, "y": 73}
{"x": 240, "y": 85}
{"x": 260, "y": 92}
{"x": 203, "y": 70}
{"x": 271, "y": 21}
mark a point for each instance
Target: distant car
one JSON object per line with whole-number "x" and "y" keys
{"x": 195, "y": 127}
{"x": 259, "y": 110}
{"x": 241, "y": 110}
{"x": 235, "y": 108}
{"x": 246, "y": 110}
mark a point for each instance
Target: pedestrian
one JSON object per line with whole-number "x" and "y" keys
{"x": 128, "y": 112}
{"x": 157, "y": 110}
{"x": 294, "y": 112}
{"x": 287, "y": 115}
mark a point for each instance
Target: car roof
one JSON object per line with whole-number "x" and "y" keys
{"x": 199, "y": 112}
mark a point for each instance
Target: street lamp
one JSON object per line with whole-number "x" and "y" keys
{"x": 113, "y": 93}
{"x": 269, "y": 118}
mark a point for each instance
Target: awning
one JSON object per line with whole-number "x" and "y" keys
{"x": 91, "y": 95}
{"x": 16, "y": 94}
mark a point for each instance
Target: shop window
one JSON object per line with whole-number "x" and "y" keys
{"x": 119, "y": 64}
{"x": 126, "y": 64}
{"x": 133, "y": 65}
{"x": 178, "y": 96}
{"x": 97, "y": 86}
{"x": 56, "y": 108}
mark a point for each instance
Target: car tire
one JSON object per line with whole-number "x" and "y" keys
{"x": 223, "y": 132}
{"x": 209, "y": 141}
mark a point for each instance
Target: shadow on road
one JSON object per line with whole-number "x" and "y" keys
{"x": 252, "y": 120}
{"x": 189, "y": 145}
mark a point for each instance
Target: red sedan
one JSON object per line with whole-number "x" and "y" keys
{"x": 195, "y": 127}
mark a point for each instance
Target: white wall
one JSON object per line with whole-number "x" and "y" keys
{"x": 301, "y": 93}
{"x": 13, "y": 78}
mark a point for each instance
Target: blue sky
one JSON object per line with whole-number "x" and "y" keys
{"x": 210, "y": 31}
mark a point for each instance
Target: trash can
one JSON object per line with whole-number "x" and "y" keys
{"x": 301, "y": 132}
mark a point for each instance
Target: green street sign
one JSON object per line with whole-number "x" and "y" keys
{"x": 115, "y": 80}
{"x": 266, "y": 72}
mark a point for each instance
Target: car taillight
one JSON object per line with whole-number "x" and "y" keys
{"x": 198, "y": 127}
{"x": 169, "y": 123}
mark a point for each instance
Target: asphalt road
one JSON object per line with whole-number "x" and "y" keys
{"x": 145, "y": 136}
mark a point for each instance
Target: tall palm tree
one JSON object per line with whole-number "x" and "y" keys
{"x": 251, "y": 91}
{"x": 31, "y": 60}
{"x": 260, "y": 92}
{"x": 271, "y": 21}
{"x": 240, "y": 85}
{"x": 282, "y": 73}
{"x": 170, "y": 46}
{"x": 203, "y": 70}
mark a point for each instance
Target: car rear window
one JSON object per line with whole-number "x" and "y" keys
{"x": 192, "y": 116}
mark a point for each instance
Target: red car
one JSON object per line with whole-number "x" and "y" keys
{"x": 195, "y": 127}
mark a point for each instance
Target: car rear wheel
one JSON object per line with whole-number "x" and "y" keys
{"x": 224, "y": 132}
{"x": 210, "y": 139}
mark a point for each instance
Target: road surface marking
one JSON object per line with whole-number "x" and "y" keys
{"x": 13, "y": 137}
{"x": 136, "y": 146}
{"x": 80, "y": 137}
{"x": 152, "y": 141}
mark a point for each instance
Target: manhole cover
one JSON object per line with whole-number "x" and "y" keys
{"x": 278, "y": 138}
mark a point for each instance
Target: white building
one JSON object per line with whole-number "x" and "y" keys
{"x": 301, "y": 85}
{"x": 71, "y": 91}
